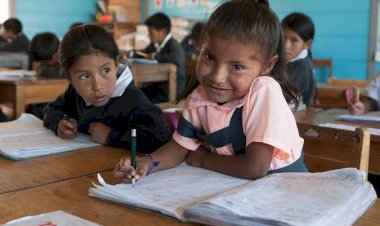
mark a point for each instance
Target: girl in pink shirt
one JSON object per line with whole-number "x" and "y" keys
{"x": 236, "y": 120}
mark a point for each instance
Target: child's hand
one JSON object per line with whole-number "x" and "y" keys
{"x": 67, "y": 128}
{"x": 125, "y": 171}
{"x": 99, "y": 132}
{"x": 357, "y": 108}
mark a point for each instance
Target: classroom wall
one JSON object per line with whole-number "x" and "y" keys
{"x": 342, "y": 26}
{"x": 342, "y": 30}
{"x": 53, "y": 15}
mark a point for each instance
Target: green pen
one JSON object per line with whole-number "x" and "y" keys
{"x": 133, "y": 157}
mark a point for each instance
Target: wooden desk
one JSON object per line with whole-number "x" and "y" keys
{"x": 72, "y": 196}
{"x": 21, "y": 92}
{"x": 17, "y": 175}
{"x": 317, "y": 116}
{"x": 144, "y": 73}
{"x": 331, "y": 96}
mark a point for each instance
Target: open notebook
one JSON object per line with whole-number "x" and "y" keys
{"x": 26, "y": 137}
{"x": 337, "y": 197}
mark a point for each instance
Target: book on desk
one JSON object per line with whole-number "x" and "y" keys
{"x": 26, "y": 137}
{"x": 17, "y": 74}
{"x": 191, "y": 194}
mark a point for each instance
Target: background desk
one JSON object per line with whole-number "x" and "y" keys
{"x": 72, "y": 196}
{"x": 24, "y": 91}
{"x": 146, "y": 73}
{"x": 317, "y": 116}
{"x": 17, "y": 175}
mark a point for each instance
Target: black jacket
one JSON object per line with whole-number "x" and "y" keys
{"x": 301, "y": 75}
{"x": 172, "y": 52}
{"x": 130, "y": 110}
{"x": 18, "y": 44}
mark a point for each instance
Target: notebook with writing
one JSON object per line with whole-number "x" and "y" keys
{"x": 191, "y": 194}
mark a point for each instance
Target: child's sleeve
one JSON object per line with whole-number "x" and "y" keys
{"x": 373, "y": 90}
{"x": 151, "y": 130}
{"x": 267, "y": 118}
{"x": 188, "y": 126}
{"x": 63, "y": 105}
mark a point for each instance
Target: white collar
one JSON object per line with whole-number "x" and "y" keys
{"x": 121, "y": 84}
{"x": 302, "y": 55}
{"x": 163, "y": 43}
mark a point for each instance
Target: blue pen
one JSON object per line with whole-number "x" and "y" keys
{"x": 133, "y": 157}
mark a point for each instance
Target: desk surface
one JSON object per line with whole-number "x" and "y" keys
{"x": 316, "y": 116}
{"x": 72, "y": 196}
{"x": 17, "y": 175}
{"x": 24, "y": 91}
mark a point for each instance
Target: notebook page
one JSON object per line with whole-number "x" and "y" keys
{"x": 335, "y": 197}
{"x": 24, "y": 123}
{"x": 27, "y": 144}
{"x": 168, "y": 191}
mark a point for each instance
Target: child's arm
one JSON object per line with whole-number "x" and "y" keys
{"x": 168, "y": 156}
{"x": 253, "y": 164}
{"x": 364, "y": 105}
{"x": 149, "y": 124}
{"x": 63, "y": 107}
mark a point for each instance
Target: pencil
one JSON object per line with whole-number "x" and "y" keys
{"x": 133, "y": 157}
{"x": 355, "y": 94}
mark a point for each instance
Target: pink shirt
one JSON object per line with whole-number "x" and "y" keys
{"x": 266, "y": 118}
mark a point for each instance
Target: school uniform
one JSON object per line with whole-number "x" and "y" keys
{"x": 20, "y": 43}
{"x": 128, "y": 108}
{"x": 262, "y": 115}
{"x": 301, "y": 74}
{"x": 169, "y": 51}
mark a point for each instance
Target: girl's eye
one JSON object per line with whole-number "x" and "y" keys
{"x": 238, "y": 67}
{"x": 209, "y": 58}
{"x": 105, "y": 70}
{"x": 84, "y": 76}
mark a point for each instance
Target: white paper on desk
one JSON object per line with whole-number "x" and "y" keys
{"x": 369, "y": 117}
{"x": 142, "y": 61}
{"x": 17, "y": 73}
{"x": 26, "y": 137}
{"x": 373, "y": 131}
{"x": 58, "y": 217}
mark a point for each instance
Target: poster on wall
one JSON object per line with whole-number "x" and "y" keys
{"x": 157, "y": 4}
{"x": 193, "y": 3}
{"x": 169, "y": 4}
{"x": 181, "y": 3}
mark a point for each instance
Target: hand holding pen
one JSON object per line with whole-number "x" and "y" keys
{"x": 67, "y": 128}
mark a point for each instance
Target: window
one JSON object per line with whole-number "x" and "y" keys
{"x": 5, "y": 10}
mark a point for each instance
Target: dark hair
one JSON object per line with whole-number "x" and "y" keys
{"x": 300, "y": 24}
{"x": 159, "y": 21}
{"x": 76, "y": 24}
{"x": 251, "y": 22}
{"x": 196, "y": 32}
{"x": 43, "y": 46}
{"x": 13, "y": 24}
{"x": 84, "y": 40}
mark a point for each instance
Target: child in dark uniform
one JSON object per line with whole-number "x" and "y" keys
{"x": 102, "y": 99}
{"x": 299, "y": 33}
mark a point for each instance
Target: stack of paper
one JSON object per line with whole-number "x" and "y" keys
{"x": 26, "y": 137}
{"x": 17, "y": 73}
{"x": 337, "y": 197}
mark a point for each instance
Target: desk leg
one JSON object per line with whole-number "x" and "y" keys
{"x": 19, "y": 102}
{"x": 172, "y": 83}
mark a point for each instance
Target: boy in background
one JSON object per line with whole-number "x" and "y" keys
{"x": 165, "y": 49}
{"x": 12, "y": 39}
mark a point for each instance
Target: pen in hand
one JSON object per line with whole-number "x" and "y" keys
{"x": 133, "y": 157}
